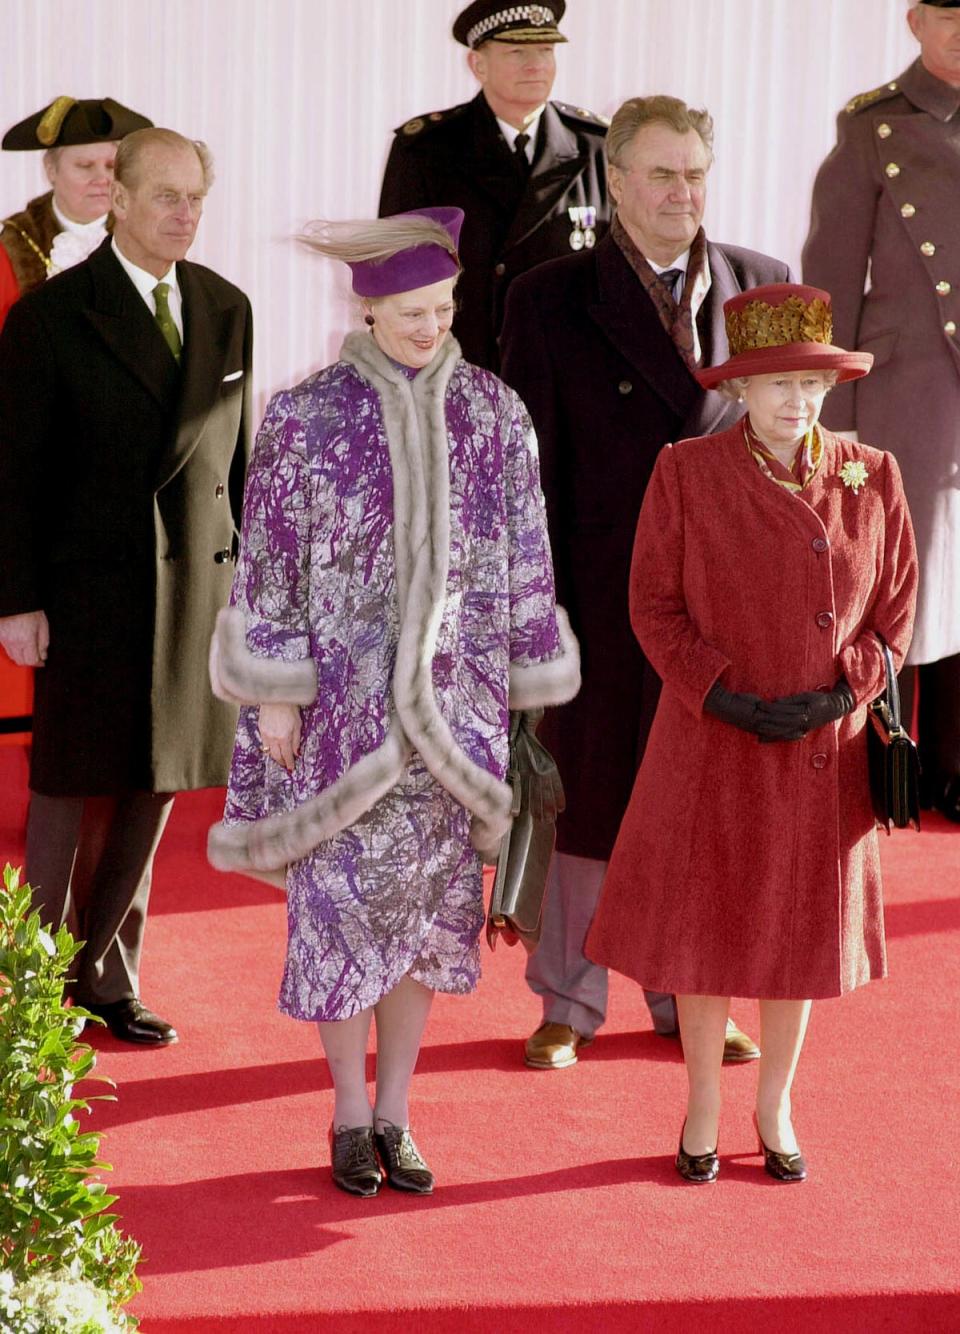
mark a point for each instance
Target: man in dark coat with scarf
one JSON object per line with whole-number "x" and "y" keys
{"x": 602, "y": 347}
{"x": 527, "y": 172}
{"x": 885, "y": 204}
{"x": 124, "y": 398}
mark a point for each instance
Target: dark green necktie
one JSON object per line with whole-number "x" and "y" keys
{"x": 171, "y": 335}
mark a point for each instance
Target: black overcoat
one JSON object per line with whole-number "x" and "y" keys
{"x": 584, "y": 347}
{"x": 459, "y": 157}
{"x": 121, "y": 483}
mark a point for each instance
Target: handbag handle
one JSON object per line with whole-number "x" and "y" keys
{"x": 893, "y": 688}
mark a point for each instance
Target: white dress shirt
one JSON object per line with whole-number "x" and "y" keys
{"x": 510, "y": 133}
{"x": 681, "y": 263}
{"x": 145, "y": 283}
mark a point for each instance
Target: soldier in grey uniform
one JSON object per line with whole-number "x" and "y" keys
{"x": 884, "y": 242}
{"x": 527, "y": 172}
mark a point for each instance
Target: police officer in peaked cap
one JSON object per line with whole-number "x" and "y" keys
{"x": 528, "y": 172}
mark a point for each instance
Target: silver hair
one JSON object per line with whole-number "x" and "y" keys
{"x": 638, "y": 112}
{"x": 361, "y": 240}
{"x": 131, "y": 148}
{"x": 735, "y": 389}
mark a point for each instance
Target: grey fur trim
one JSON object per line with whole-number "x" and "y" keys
{"x": 239, "y": 677}
{"x": 420, "y": 456}
{"x": 271, "y": 843}
{"x": 545, "y": 683}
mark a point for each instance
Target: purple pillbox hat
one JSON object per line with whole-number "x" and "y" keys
{"x": 417, "y": 266}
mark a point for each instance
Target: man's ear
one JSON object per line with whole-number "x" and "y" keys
{"x": 477, "y": 65}
{"x": 118, "y": 199}
{"x": 613, "y": 183}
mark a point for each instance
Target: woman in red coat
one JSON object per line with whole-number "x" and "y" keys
{"x": 770, "y": 560}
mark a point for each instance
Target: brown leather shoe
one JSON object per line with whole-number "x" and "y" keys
{"x": 553, "y": 1047}
{"x": 737, "y": 1047}
{"x": 353, "y": 1160}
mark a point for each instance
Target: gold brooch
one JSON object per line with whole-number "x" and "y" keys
{"x": 854, "y": 475}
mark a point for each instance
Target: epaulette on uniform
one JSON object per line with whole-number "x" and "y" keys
{"x": 581, "y": 115}
{"x": 863, "y": 100}
{"x": 417, "y": 125}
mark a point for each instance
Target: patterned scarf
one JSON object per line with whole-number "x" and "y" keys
{"x": 805, "y": 463}
{"x": 679, "y": 319}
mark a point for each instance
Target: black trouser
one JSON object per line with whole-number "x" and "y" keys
{"x": 90, "y": 860}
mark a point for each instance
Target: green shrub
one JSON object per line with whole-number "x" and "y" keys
{"x": 53, "y": 1227}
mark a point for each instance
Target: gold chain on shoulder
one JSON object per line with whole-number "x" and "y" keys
{"x": 759, "y": 325}
{"x": 45, "y": 259}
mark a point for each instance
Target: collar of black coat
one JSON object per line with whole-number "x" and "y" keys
{"x": 928, "y": 93}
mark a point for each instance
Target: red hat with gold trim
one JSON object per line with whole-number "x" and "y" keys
{"x": 782, "y": 327}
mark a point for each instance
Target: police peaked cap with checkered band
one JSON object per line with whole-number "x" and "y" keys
{"x": 494, "y": 21}
{"x": 68, "y": 121}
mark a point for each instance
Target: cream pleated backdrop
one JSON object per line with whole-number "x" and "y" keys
{"x": 297, "y": 99}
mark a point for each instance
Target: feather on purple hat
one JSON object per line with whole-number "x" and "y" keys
{"x": 395, "y": 254}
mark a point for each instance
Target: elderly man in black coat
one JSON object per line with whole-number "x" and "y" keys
{"x": 527, "y": 172}
{"x": 124, "y": 397}
{"x": 602, "y": 347}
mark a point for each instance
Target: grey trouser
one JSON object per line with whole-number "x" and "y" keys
{"x": 574, "y": 990}
{"x": 89, "y": 860}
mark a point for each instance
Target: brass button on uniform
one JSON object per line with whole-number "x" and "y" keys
{"x": 819, "y": 544}
{"x": 219, "y": 491}
{"x": 943, "y": 288}
{"x": 884, "y": 130}
{"x": 892, "y": 170}
{"x": 625, "y": 387}
{"x": 824, "y": 619}
{"x": 499, "y": 269}
{"x": 950, "y": 327}
{"x": 907, "y": 210}
{"x": 927, "y": 248}
{"x": 819, "y": 761}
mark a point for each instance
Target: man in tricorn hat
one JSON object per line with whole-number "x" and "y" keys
{"x": 886, "y": 203}
{"x": 78, "y": 140}
{"x": 527, "y": 172}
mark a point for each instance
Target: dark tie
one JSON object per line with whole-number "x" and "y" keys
{"x": 165, "y": 321}
{"x": 520, "y": 152}
{"x": 669, "y": 279}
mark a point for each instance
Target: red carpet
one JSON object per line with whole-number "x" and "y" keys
{"x": 557, "y": 1206}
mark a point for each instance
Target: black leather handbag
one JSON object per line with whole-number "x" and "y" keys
{"x": 893, "y": 758}
{"x": 520, "y": 881}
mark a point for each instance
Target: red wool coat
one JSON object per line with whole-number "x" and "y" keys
{"x": 745, "y": 868}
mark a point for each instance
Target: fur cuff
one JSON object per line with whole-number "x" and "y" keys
{"x": 240, "y": 678}
{"x": 269, "y": 844}
{"x": 545, "y": 683}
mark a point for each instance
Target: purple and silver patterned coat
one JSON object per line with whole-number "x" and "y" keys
{"x": 394, "y": 534}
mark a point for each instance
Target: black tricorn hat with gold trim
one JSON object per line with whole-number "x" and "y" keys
{"x": 68, "y": 121}
{"x": 496, "y": 21}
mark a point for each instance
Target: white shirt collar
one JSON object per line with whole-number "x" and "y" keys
{"x": 680, "y": 262}
{"x": 143, "y": 281}
{"x": 99, "y": 225}
{"x": 510, "y": 133}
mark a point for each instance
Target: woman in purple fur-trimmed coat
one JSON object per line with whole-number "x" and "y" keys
{"x": 393, "y": 601}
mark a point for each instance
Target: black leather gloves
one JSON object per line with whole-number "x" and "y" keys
{"x": 785, "y": 719}
{"x": 810, "y": 710}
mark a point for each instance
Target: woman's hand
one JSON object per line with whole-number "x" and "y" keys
{"x": 808, "y": 711}
{"x": 280, "y": 732}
